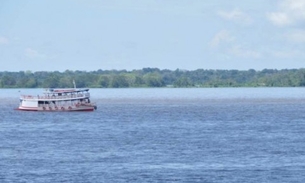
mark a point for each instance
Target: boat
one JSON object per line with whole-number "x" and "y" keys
{"x": 65, "y": 100}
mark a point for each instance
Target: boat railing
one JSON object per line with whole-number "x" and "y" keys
{"x": 73, "y": 96}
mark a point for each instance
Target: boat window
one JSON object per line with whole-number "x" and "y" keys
{"x": 40, "y": 102}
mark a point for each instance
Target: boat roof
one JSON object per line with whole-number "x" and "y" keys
{"x": 66, "y": 90}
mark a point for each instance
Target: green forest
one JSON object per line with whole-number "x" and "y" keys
{"x": 154, "y": 77}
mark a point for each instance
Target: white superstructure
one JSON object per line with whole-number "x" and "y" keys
{"x": 58, "y": 100}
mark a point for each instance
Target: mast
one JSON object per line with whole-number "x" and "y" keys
{"x": 74, "y": 84}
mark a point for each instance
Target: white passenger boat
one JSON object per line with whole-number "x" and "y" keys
{"x": 58, "y": 100}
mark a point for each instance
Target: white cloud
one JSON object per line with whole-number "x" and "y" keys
{"x": 222, "y": 36}
{"x": 240, "y": 52}
{"x": 297, "y": 36}
{"x": 290, "y": 12}
{"x": 31, "y": 53}
{"x": 297, "y": 7}
{"x": 279, "y": 18}
{"x": 4, "y": 40}
{"x": 235, "y": 15}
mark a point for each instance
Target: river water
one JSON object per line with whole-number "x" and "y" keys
{"x": 158, "y": 135}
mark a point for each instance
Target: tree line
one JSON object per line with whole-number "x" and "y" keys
{"x": 154, "y": 77}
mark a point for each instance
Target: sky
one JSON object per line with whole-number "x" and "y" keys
{"x": 89, "y": 35}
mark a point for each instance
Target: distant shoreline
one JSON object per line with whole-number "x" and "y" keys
{"x": 154, "y": 78}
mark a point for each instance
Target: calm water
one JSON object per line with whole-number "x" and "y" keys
{"x": 158, "y": 135}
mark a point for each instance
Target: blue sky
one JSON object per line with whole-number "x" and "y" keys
{"x": 88, "y": 35}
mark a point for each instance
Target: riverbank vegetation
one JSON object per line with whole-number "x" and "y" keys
{"x": 154, "y": 77}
